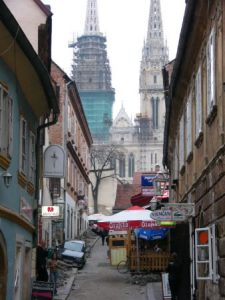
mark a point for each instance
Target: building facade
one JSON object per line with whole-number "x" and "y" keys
{"x": 91, "y": 71}
{"x": 26, "y": 97}
{"x": 194, "y": 146}
{"x": 72, "y": 133}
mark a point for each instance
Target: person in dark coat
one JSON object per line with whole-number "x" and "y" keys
{"x": 173, "y": 270}
{"x": 41, "y": 262}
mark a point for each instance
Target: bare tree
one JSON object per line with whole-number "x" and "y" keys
{"x": 103, "y": 158}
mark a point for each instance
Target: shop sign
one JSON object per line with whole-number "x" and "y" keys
{"x": 50, "y": 211}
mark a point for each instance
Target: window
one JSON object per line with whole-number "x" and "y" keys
{"x": 211, "y": 71}
{"x": 189, "y": 124}
{"x": 155, "y": 112}
{"x": 122, "y": 166}
{"x": 206, "y": 254}
{"x": 131, "y": 165}
{"x": 32, "y": 157}
{"x": 54, "y": 187}
{"x": 155, "y": 79}
{"x": 6, "y": 123}
{"x": 181, "y": 143}
{"x": 198, "y": 103}
{"x": 23, "y": 145}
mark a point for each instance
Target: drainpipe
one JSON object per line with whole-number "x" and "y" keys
{"x": 37, "y": 184}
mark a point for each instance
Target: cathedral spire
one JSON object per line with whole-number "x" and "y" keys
{"x": 92, "y": 22}
{"x": 155, "y": 26}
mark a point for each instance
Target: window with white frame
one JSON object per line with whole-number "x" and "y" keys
{"x": 198, "y": 103}
{"x": 206, "y": 260}
{"x": 181, "y": 143}
{"x": 210, "y": 52}
{"x": 32, "y": 160}
{"x": 23, "y": 145}
{"x": 6, "y": 122}
{"x": 189, "y": 124}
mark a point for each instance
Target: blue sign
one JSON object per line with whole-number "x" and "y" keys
{"x": 147, "y": 180}
{"x": 152, "y": 234}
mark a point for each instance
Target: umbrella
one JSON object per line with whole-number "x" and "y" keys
{"x": 131, "y": 218}
{"x": 151, "y": 234}
{"x": 95, "y": 217}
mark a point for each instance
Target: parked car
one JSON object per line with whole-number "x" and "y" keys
{"x": 73, "y": 252}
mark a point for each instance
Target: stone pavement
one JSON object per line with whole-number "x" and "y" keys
{"x": 153, "y": 290}
{"x": 66, "y": 284}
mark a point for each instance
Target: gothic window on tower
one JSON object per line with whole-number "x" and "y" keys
{"x": 122, "y": 166}
{"x": 155, "y": 79}
{"x": 155, "y": 112}
{"x": 131, "y": 165}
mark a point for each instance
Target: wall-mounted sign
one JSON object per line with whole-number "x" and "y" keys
{"x": 147, "y": 180}
{"x": 54, "y": 162}
{"x": 50, "y": 211}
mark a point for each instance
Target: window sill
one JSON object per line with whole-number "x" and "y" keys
{"x": 189, "y": 157}
{"x": 4, "y": 162}
{"x": 182, "y": 170}
{"x": 30, "y": 188}
{"x": 199, "y": 140}
{"x": 212, "y": 115}
{"x": 22, "y": 180}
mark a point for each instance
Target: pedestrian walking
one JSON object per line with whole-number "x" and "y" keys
{"x": 53, "y": 267}
{"x": 173, "y": 270}
{"x": 103, "y": 234}
{"x": 41, "y": 261}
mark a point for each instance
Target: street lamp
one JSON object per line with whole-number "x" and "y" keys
{"x": 7, "y": 177}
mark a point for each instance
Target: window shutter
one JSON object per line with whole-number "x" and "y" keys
{"x": 181, "y": 143}
{"x": 189, "y": 124}
{"x": 211, "y": 71}
{"x": 198, "y": 103}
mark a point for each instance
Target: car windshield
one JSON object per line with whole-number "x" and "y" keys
{"x": 74, "y": 246}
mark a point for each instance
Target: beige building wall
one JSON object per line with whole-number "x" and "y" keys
{"x": 107, "y": 194}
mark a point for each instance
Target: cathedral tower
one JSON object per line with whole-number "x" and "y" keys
{"x": 154, "y": 57}
{"x": 92, "y": 74}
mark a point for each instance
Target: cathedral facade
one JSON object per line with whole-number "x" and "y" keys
{"x": 142, "y": 140}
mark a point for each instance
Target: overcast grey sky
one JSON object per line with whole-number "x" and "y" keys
{"x": 124, "y": 23}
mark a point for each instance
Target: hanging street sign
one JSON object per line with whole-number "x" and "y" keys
{"x": 186, "y": 209}
{"x": 168, "y": 215}
{"x": 161, "y": 214}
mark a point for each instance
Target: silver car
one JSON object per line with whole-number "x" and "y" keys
{"x": 74, "y": 252}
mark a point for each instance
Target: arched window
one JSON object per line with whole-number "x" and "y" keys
{"x": 122, "y": 165}
{"x": 155, "y": 112}
{"x": 131, "y": 165}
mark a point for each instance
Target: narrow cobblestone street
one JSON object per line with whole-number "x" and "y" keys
{"x": 99, "y": 280}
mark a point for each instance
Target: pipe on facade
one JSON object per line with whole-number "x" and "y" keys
{"x": 37, "y": 184}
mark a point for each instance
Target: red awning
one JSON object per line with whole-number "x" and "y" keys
{"x": 140, "y": 200}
